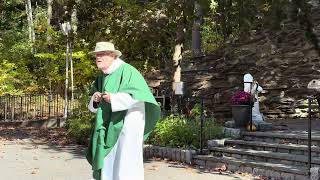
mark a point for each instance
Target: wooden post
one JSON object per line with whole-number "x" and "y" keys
{"x": 57, "y": 106}
{"x": 5, "y": 108}
{"x": 49, "y": 104}
{"x": 34, "y": 107}
{"x": 41, "y": 107}
{"x": 13, "y": 105}
{"x": 21, "y": 110}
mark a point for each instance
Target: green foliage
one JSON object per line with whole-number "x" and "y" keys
{"x": 8, "y": 79}
{"x": 79, "y": 128}
{"x": 177, "y": 131}
{"x": 196, "y": 111}
{"x": 145, "y": 31}
{"x": 79, "y": 124}
{"x": 211, "y": 38}
{"x": 84, "y": 69}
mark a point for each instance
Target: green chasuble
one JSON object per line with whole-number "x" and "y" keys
{"x": 108, "y": 124}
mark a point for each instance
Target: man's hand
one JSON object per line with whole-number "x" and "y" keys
{"x": 106, "y": 97}
{"x": 97, "y": 97}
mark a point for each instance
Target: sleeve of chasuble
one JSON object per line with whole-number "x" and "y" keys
{"x": 121, "y": 101}
{"x": 92, "y": 106}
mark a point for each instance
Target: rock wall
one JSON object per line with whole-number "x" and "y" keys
{"x": 283, "y": 62}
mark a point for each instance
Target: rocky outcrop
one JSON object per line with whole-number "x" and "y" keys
{"x": 283, "y": 62}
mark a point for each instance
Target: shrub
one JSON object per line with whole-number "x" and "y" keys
{"x": 79, "y": 124}
{"x": 177, "y": 131}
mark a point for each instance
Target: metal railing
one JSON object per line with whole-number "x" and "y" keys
{"x": 34, "y": 106}
{"x": 185, "y": 104}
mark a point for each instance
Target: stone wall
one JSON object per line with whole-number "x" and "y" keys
{"x": 283, "y": 62}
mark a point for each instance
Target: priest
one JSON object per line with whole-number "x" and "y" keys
{"x": 126, "y": 113}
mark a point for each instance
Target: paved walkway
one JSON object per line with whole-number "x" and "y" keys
{"x": 26, "y": 159}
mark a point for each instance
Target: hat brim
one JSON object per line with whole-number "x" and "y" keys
{"x": 118, "y": 53}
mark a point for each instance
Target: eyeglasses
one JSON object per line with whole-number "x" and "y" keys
{"x": 99, "y": 54}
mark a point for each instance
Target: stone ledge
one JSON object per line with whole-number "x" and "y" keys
{"x": 39, "y": 123}
{"x": 280, "y": 135}
{"x": 232, "y": 132}
{"x": 271, "y": 145}
{"x": 267, "y": 154}
{"x": 216, "y": 143}
{"x": 174, "y": 154}
{"x": 269, "y": 170}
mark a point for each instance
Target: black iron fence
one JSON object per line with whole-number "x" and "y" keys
{"x": 45, "y": 106}
{"x": 35, "y": 106}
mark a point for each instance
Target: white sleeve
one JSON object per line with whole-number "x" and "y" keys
{"x": 121, "y": 101}
{"x": 90, "y": 106}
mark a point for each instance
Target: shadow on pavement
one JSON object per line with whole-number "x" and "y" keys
{"x": 54, "y": 140}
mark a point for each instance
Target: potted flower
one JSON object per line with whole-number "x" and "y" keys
{"x": 240, "y": 104}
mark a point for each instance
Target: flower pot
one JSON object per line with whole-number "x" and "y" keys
{"x": 241, "y": 115}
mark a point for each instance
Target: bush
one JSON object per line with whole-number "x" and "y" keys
{"x": 177, "y": 131}
{"x": 172, "y": 131}
{"x": 79, "y": 124}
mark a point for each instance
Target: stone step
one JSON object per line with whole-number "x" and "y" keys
{"x": 265, "y": 156}
{"x": 258, "y": 168}
{"x": 273, "y": 147}
{"x": 282, "y": 137}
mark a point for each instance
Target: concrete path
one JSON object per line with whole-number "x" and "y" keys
{"x": 27, "y": 159}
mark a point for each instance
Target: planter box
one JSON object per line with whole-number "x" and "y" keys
{"x": 241, "y": 115}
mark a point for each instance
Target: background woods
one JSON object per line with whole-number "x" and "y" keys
{"x": 154, "y": 35}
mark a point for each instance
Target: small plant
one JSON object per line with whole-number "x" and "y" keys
{"x": 240, "y": 98}
{"x": 196, "y": 111}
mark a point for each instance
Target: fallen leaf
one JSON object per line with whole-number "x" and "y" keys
{"x": 152, "y": 168}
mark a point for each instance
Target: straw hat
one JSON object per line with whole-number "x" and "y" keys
{"x": 106, "y": 46}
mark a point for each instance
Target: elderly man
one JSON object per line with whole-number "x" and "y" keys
{"x": 126, "y": 113}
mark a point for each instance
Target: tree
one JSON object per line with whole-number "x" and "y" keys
{"x": 30, "y": 21}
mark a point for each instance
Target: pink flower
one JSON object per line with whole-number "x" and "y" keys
{"x": 240, "y": 98}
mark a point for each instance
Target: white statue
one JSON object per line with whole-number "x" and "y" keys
{"x": 247, "y": 80}
{"x": 255, "y": 90}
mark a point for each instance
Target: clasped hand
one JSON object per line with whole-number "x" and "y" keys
{"x": 97, "y": 97}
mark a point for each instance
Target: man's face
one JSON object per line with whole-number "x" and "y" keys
{"x": 104, "y": 59}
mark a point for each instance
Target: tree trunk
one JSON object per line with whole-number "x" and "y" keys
{"x": 241, "y": 16}
{"x": 196, "y": 30}
{"x": 74, "y": 19}
{"x": 71, "y": 69}
{"x": 66, "y": 82}
{"x": 177, "y": 56}
{"x": 30, "y": 21}
{"x": 223, "y": 19}
{"x": 49, "y": 17}
{"x": 229, "y": 17}
{"x": 276, "y": 14}
{"x": 74, "y": 24}
{"x": 178, "y": 49}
